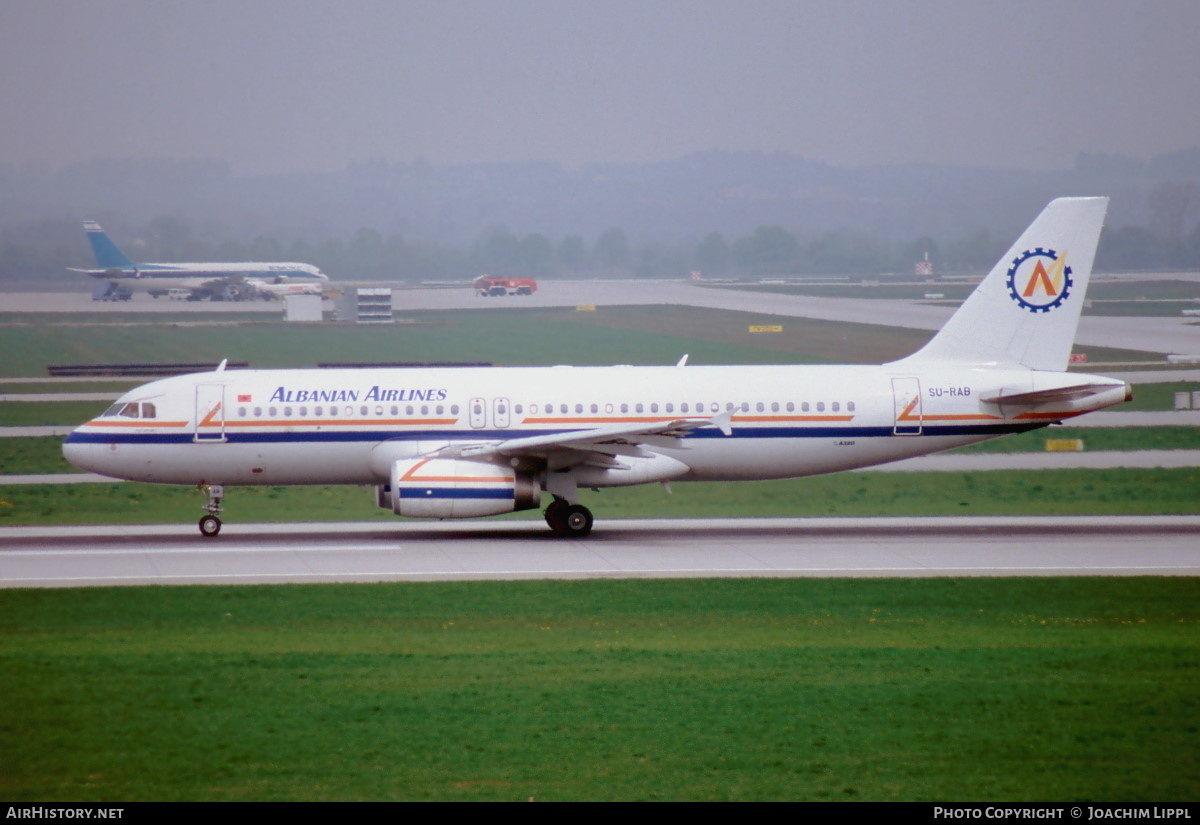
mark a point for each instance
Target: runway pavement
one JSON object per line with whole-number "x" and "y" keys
{"x": 506, "y": 550}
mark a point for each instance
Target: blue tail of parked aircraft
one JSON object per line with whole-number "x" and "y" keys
{"x": 108, "y": 256}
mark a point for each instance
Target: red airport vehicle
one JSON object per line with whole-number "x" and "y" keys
{"x": 489, "y": 285}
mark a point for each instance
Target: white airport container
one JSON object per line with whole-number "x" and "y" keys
{"x": 302, "y": 307}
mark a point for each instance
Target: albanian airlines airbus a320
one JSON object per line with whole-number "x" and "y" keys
{"x": 459, "y": 443}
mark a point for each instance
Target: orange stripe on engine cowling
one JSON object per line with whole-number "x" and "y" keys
{"x": 411, "y": 476}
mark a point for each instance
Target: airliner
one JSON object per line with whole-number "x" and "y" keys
{"x": 467, "y": 442}
{"x": 236, "y": 281}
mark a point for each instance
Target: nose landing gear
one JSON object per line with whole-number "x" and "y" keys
{"x": 210, "y": 524}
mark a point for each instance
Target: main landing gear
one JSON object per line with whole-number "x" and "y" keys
{"x": 568, "y": 520}
{"x": 210, "y": 525}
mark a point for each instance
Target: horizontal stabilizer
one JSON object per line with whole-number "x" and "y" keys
{"x": 1073, "y": 398}
{"x": 1046, "y": 396}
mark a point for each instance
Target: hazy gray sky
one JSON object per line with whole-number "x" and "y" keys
{"x": 293, "y": 85}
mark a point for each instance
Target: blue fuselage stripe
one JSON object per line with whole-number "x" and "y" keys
{"x": 375, "y": 436}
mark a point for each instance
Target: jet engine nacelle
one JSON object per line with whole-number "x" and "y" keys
{"x": 455, "y": 488}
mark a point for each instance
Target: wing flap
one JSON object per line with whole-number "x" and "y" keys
{"x": 599, "y": 443}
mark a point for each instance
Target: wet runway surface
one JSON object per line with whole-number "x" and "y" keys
{"x": 420, "y": 551}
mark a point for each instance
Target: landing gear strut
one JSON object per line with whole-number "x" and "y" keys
{"x": 210, "y": 525}
{"x": 568, "y": 520}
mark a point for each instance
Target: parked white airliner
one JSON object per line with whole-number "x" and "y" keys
{"x": 218, "y": 281}
{"x": 456, "y": 443}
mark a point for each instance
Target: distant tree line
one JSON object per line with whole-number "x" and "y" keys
{"x": 42, "y": 250}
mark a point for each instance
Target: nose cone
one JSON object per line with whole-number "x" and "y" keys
{"x": 84, "y": 455}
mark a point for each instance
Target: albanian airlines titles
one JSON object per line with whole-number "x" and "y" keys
{"x": 288, "y": 395}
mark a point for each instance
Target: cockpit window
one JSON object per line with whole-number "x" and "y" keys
{"x": 131, "y": 409}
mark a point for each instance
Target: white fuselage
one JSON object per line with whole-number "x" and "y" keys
{"x": 296, "y": 277}
{"x": 348, "y": 426}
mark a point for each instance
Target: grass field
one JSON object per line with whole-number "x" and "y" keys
{"x": 1049, "y": 492}
{"x": 1157, "y": 396}
{"x": 1122, "y": 439}
{"x": 770, "y": 689}
{"x": 513, "y": 337}
{"x": 610, "y": 335}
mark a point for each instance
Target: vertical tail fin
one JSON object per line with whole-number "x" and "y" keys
{"x": 108, "y": 256}
{"x": 1026, "y": 310}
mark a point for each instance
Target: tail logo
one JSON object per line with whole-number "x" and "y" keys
{"x": 1039, "y": 279}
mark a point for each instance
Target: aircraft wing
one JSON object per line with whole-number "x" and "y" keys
{"x": 598, "y": 445}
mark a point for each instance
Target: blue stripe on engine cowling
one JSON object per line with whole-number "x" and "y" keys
{"x": 433, "y": 493}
